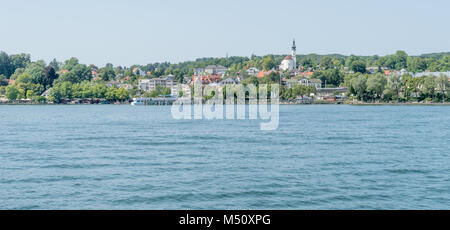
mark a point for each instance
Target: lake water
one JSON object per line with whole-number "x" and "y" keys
{"x": 321, "y": 157}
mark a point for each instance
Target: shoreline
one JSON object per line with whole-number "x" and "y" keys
{"x": 281, "y": 103}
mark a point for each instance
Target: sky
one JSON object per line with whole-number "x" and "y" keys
{"x": 141, "y": 32}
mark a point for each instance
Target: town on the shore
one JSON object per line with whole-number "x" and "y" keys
{"x": 304, "y": 79}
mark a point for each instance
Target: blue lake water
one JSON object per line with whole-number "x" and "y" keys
{"x": 321, "y": 157}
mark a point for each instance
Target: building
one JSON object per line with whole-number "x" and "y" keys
{"x": 211, "y": 70}
{"x": 149, "y": 85}
{"x": 138, "y": 71}
{"x": 317, "y": 83}
{"x": 289, "y": 83}
{"x": 199, "y": 71}
{"x": 307, "y": 74}
{"x": 46, "y": 93}
{"x": 229, "y": 81}
{"x": 216, "y": 69}
{"x": 175, "y": 91}
{"x": 262, "y": 74}
{"x": 324, "y": 92}
{"x": 252, "y": 71}
{"x": 289, "y": 63}
{"x": 436, "y": 74}
{"x": 207, "y": 79}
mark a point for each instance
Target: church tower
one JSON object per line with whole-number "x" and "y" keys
{"x": 294, "y": 54}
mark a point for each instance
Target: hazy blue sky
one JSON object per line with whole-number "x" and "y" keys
{"x": 140, "y": 32}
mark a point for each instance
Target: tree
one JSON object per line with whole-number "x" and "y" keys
{"x": 99, "y": 90}
{"x": 326, "y": 62}
{"x": 107, "y": 73}
{"x": 37, "y": 72}
{"x": 410, "y": 86}
{"x": 268, "y": 62}
{"x": 394, "y": 86}
{"x": 401, "y": 60}
{"x": 19, "y": 61}
{"x": 12, "y": 92}
{"x": 55, "y": 64}
{"x": 358, "y": 66}
{"x": 329, "y": 77}
{"x": 307, "y": 62}
{"x": 122, "y": 94}
{"x": 82, "y": 72}
{"x": 50, "y": 75}
{"x": 359, "y": 85}
{"x": 376, "y": 85}
{"x": 352, "y": 58}
{"x": 3, "y": 81}
{"x": 30, "y": 94}
{"x": 111, "y": 93}
{"x": 442, "y": 85}
{"x": 70, "y": 64}
{"x": 416, "y": 64}
{"x": 67, "y": 77}
{"x": 5, "y": 65}
{"x": 429, "y": 87}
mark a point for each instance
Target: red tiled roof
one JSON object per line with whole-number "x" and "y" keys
{"x": 289, "y": 57}
{"x": 214, "y": 78}
{"x": 264, "y": 73}
{"x": 304, "y": 74}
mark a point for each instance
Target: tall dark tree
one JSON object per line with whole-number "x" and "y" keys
{"x": 5, "y": 65}
{"x": 55, "y": 64}
{"x": 50, "y": 75}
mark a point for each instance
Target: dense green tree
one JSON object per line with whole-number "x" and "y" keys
{"x": 19, "y": 61}
{"x": 268, "y": 62}
{"x": 307, "y": 62}
{"x": 376, "y": 85}
{"x": 442, "y": 85}
{"x": 429, "y": 87}
{"x": 12, "y": 93}
{"x": 358, "y": 66}
{"x": 5, "y": 65}
{"x": 331, "y": 77}
{"x": 107, "y": 73}
{"x": 394, "y": 86}
{"x": 416, "y": 64}
{"x": 352, "y": 58}
{"x": 70, "y": 64}
{"x": 326, "y": 62}
{"x": 3, "y": 81}
{"x": 359, "y": 85}
{"x": 37, "y": 72}
{"x": 55, "y": 64}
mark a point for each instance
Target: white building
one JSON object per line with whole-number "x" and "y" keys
{"x": 317, "y": 83}
{"x": 211, "y": 69}
{"x": 252, "y": 71}
{"x": 436, "y": 74}
{"x": 289, "y": 63}
{"x": 216, "y": 69}
{"x": 149, "y": 85}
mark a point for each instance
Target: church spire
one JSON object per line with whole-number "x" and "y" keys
{"x": 294, "y": 53}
